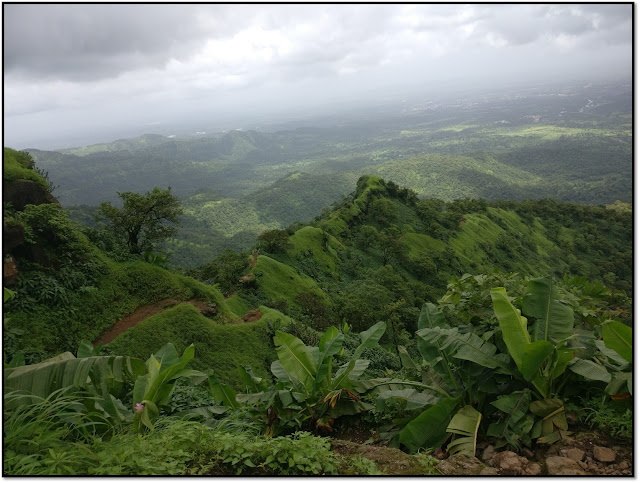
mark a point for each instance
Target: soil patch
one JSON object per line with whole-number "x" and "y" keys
{"x": 144, "y": 312}
{"x": 389, "y": 460}
{"x": 252, "y": 316}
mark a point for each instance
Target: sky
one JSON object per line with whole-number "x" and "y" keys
{"x": 75, "y": 74}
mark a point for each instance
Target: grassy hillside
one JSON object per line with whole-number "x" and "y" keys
{"x": 221, "y": 348}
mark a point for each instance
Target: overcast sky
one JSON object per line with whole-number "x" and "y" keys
{"x": 95, "y": 71}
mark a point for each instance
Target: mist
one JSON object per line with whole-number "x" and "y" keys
{"x": 81, "y": 74}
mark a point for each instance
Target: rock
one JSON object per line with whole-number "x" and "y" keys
{"x": 488, "y": 453}
{"x": 210, "y": 310}
{"x": 583, "y": 465}
{"x": 606, "y": 455}
{"x": 22, "y": 192}
{"x": 574, "y": 454}
{"x": 9, "y": 271}
{"x": 460, "y": 464}
{"x": 489, "y": 470}
{"x": 509, "y": 463}
{"x": 559, "y": 465}
{"x": 624, "y": 465}
{"x": 532, "y": 469}
{"x": 12, "y": 236}
{"x": 438, "y": 453}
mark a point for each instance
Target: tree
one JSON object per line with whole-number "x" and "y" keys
{"x": 274, "y": 241}
{"x": 142, "y": 220}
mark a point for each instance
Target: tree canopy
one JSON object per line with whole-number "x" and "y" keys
{"x": 144, "y": 218}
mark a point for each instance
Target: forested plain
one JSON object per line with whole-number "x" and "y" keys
{"x": 568, "y": 143}
{"x": 365, "y": 298}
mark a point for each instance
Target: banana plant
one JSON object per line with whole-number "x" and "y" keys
{"x": 541, "y": 352}
{"x": 102, "y": 378}
{"x": 65, "y": 370}
{"x": 308, "y": 392}
{"x": 153, "y": 389}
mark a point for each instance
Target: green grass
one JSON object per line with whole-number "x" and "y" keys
{"x": 119, "y": 291}
{"x": 14, "y": 165}
{"x": 279, "y": 281}
{"x": 221, "y": 348}
{"x": 419, "y": 243}
{"x": 310, "y": 238}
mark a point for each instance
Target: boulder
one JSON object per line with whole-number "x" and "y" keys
{"x": 22, "y": 192}
{"x": 488, "y": 453}
{"x": 605, "y": 455}
{"x": 460, "y": 464}
{"x": 559, "y": 465}
{"x": 574, "y": 454}
{"x": 509, "y": 463}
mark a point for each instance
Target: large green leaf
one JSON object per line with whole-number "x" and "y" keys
{"x": 430, "y": 317}
{"x": 330, "y": 345}
{"x": 515, "y": 427}
{"x": 46, "y": 377}
{"x": 614, "y": 357}
{"x": 163, "y": 367}
{"x": 513, "y": 325}
{"x": 223, "y": 393}
{"x": 349, "y": 373}
{"x": 369, "y": 338}
{"x": 467, "y": 346}
{"x": 554, "y": 321}
{"x": 590, "y": 370}
{"x": 554, "y": 420}
{"x": 429, "y": 429}
{"x": 405, "y": 358}
{"x": 296, "y": 358}
{"x": 251, "y": 382}
{"x": 534, "y": 355}
{"x": 380, "y": 385}
{"x": 465, "y": 424}
{"x": 618, "y": 337}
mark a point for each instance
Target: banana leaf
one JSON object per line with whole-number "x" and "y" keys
{"x": 534, "y": 355}
{"x": 223, "y": 393}
{"x": 369, "y": 338}
{"x": 65, "y": 370}
{"x": 618, "y": 337}
{"x": 465, "y": 424}
{"x": 379, "y": 385}
{"x": 405, "y": 358}
{"x": 514, "y": 429}
{"x": 554, "y": 321}
{"x": 554, "y": 421}
{"x": 296, "y": 358}
{"x": 429, "y": 429}
{"x": 590, "y": 370}
{"x": 468, "y": 346}
{"x": 513, "y": 325}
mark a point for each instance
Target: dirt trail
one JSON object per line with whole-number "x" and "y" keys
{"x": 142, "y": 313}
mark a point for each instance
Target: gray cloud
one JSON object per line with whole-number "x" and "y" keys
{"x": 136, "y": 62}
{"x": 87, "y": 42}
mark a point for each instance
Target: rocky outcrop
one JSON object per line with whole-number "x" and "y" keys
{"x": 22, "y": 192}
{"x": 460, "y": 464}
{"x": 509, "y": 463}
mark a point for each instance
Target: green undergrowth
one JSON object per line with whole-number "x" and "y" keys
{"x": 308, "y": 242}
{"x": 85, "y": 314}
{"x": 279, "y": 281}
{"x": 219, "y": 347}
{"x": 17, "y": 165}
